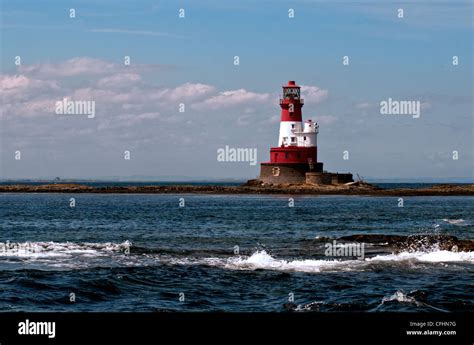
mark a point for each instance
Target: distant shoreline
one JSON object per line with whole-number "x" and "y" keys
{"x": 249, "y": 188}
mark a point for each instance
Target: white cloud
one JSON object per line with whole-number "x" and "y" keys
{"x": 104, "y": 96}
{"x": 12, "y": 82}
{"x": 71, "y": 67}
{"x": 119, "y": 80}
{"x": 313, "y": 94}
{"x": 121, "y": 96}
{"x": 128, "y": 108}
{"x": 18, "y": 87}
{"x": 84, "y": 66}
{"x": 28, "y": 109}
{"x": 188, "y": 92}
{"x": 228, "y": 99}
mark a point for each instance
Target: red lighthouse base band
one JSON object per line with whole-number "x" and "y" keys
{"x": 293, "y": 154}
{"x": 295, "y": 160}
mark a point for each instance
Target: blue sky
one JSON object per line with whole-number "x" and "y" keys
{"x": 190, "y": 61}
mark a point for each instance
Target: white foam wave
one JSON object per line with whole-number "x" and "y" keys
{"x": 59, "y": 249}
{"x": 433, "y": 256}
{"x": 77, "y": 255}
{"x": 310, "y": 306}
{"x": 263, "y": 260}
{"x": 402, "y": 297}
{"x": 455, "y": 221}
{"x": 399, "y": 296}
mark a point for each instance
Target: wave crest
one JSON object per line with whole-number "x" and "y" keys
{"x": 77, "y": 255}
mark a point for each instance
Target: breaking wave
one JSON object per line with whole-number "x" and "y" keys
{"x": 459, "y": 222}
{"x": 63, "y": 255}
{"x": 84, "y": 255}
{"x": 406, "y": 298}
{"x": 432, "y": 256}
{"x": 60, "y": 249}
{"x": 262, "y": 260}
{"x": 399, "y": 296}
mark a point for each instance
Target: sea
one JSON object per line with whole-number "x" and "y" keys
{"x": 229, "y": 253}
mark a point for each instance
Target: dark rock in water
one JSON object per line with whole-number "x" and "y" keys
{"x": 290, "y": 306}
{"x": 313, "y": 306}
{"x": 465, "y": 246}
{"x": 426, "y": 242}
{"x": 412, "y": 243}
{"x": 374, "y": 238}
{"x": 252, "y": 183}
{"x": 419, "y": 295}
{"x": 323, "y": 239}
{"x": 251, "y": 187}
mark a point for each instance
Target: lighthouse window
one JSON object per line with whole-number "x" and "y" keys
{"x": 293, "y": 139}
{"x": 304, "y": 138}
{"x": 291, "y": 92}
{"x": 292, "y": 126}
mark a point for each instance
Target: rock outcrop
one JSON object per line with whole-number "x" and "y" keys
{"x": 251, "y": 187}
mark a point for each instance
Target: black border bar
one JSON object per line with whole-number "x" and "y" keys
{"x": 240, "y": 328}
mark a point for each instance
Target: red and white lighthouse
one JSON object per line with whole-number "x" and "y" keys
{"x": 295, "y": 159}
{"x": 297, "y": 143}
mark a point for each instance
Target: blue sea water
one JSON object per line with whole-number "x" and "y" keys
{"x": 139, "y": 252}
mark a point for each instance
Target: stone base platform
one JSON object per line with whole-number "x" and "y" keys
{"x": 281, "y": 173}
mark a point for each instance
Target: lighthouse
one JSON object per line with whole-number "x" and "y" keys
{"x": 295, "y": 159}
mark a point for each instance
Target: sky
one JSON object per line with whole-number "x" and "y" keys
{"x": 190, "y": 61}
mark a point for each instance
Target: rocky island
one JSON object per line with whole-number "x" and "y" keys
{"x": 251, "y": 187}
